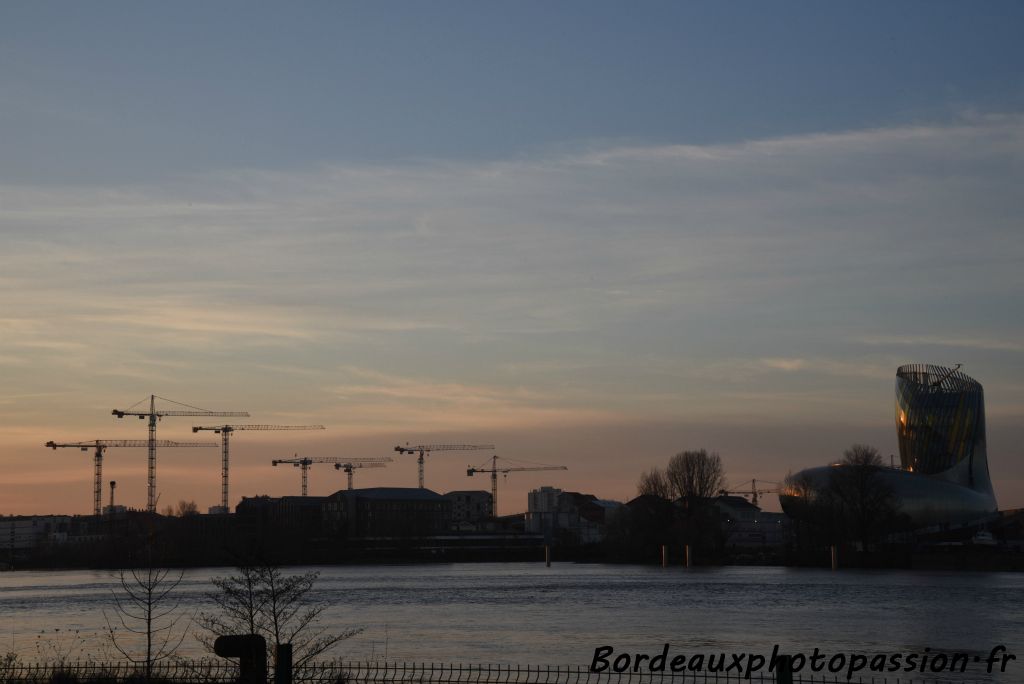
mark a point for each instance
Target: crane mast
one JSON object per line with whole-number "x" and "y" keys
{"x": 101, "y": 445}
{"x": 153, "y": 415}
{"x": 423, "y": 449}
{"x": 306, "y": 461}
{"x": 494, "y": 470}
{"x": 349, "y": 467}
{"x": 225, "y": 432}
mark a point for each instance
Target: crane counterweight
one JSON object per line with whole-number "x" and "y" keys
{"x": 423, "y": 449}
{"x": 338, "y": 461}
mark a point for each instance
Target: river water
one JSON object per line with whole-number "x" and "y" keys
{"x": 530, "y": 614}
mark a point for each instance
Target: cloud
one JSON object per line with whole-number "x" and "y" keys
{"x": 570, "y": 286}
{"x": 371, "y": 402}
{"x": 940, "y": 340}
{"x": 784, "y": 364}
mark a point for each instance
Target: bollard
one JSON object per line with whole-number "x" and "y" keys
{"x": 251, "y": 651}
{"x": 689, "y": 560}
{"x": 835, "y": 558}
{"x": 664, "y": 556}
{"x": 784, "y": 670}
{"x": 283, "y": 664}
{"x": 547, "y": 555}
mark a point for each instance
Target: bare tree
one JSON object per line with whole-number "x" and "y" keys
{"x": 863, "y": 455}
{"x": 146, "y": 609}
{"x": 867, "y": 503}
{"x": 240, "y": 599}
{"x": 801, "y": 491}
{"x": 294, "y": 618}
{"x": 654, "y": 483}
{"x": 815, "y": 509}
{"x": 263, "y": 600}
{"x": 187, "y": 508}
{"x": 696, "y": 474}
{"x": 10, "y": 663}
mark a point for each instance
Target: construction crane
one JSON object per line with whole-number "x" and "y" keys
{"x": 423, "y": 449}
{"x": 307, "y": 461}
{"x": 753, "y": 492}
{"x": 101, "y": 445}
{"x": 349, "y": 467}
{"x": 153, "y": 415}
{"x": 225, "y": 434}
{"x": 494, "y": 470}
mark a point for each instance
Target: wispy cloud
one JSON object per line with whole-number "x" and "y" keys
{"x": 924, "y": 341}
{"x": 571, "y": 287}
{"x": 374, "y": 401}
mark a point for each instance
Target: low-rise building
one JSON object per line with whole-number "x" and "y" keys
{"x": 388, "y": 512}
{"x": 746, "y": 526}
{"x": 470, "y": 508}
{"x": 570, "y": 517}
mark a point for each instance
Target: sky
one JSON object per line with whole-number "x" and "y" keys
{"x": 592, "y": 234}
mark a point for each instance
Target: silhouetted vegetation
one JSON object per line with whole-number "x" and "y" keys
{"x": 675, "y": 508}
{"x": 261, "y": 599}
{"x": 855, "y": 505}
{"x": 146, "y": 610}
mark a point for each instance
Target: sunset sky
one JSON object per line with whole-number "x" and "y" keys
{"x": 593, "y": 234}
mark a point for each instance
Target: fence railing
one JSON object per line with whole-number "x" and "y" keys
{"x": 376, "y": 672}
{"x": 187, "y": 672}
{"x": 380, "y": 672}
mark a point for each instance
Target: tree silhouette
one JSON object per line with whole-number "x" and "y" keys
{"x": 696, "y": 474}
{"x": 146, "y": 609}
{"x": 261, "y": 599}
{"x": 867, "y": 504}
{"x": 654, "y": 483}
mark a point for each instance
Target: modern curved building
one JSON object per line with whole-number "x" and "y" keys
{"x": 940, "y": 425}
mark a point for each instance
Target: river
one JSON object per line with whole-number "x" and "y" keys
{"x": 527, "y": 613}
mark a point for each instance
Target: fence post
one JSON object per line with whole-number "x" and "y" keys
{"x": 283, "y": 664}
{"x": 664, "y": 556}
{"x": 251, "y": 651}
{"x": 784, "y": 670}
{"x": 547, "y": 555}
{"x": 835, "y": 558}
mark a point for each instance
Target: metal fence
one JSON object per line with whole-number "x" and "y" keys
{"x": 186, "y": 672}
{"x": 380, "y": 672}
{"x": 376, "y": 672}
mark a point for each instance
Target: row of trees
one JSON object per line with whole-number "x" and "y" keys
{"x": 854, "y": 505}
{"x": 689, "y": 474}
{"x": 147, "y": 626}
{"x": 693, "y": 478}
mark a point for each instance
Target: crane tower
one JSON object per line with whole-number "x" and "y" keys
{"x": 225, "y": 432}
{"x": 101, "y": 445}
{"x": 424, "y": 449}
{"x": 349, "y": 466}
{"x": 153, "y": 415}
{"x": 306, "y": 461}
{"x": 494, "y": 470}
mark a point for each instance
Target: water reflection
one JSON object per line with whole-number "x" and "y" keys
{"x": 526, "y": 613}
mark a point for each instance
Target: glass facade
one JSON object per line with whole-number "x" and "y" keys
{"x": 940, "y": 426}
{"x": 940, "y": 421}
